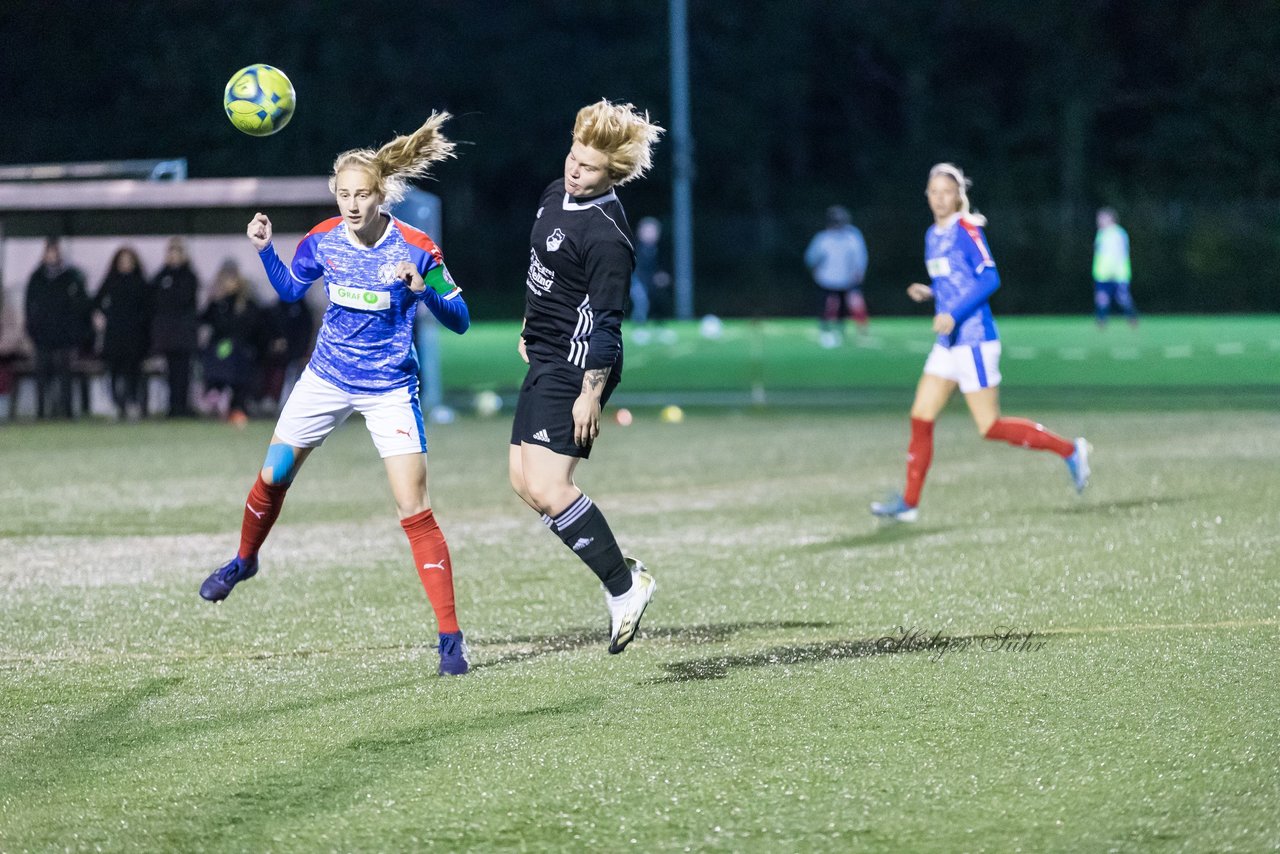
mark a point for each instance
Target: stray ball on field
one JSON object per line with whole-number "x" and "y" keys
{"x": 671, "y": 414}
{"x": 623, "y": 417}
{"x": 259, "y": 99}
{"x": 487, "y": 403}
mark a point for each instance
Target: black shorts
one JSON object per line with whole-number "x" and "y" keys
{"x": 544, "y": 411}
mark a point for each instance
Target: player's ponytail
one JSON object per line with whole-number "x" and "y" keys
{"x": 624, "y": 135}
{"x": 403, "y": 158}
{"x": 963, "y": 184}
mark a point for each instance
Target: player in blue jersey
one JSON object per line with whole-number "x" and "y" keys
{"x": 967, "y": 352}
{"x": 581, "y": 259}
{"x": 377, "y": 272}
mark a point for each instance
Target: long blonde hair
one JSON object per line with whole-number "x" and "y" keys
{"x": 624, "y": 135}
{"x": 963, "y": 184}
{"x": 404, "y": 157}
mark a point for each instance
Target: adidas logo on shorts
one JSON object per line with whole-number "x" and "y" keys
{"x": 542, "y": 436}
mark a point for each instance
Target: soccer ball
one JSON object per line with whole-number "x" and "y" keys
{"x": 259, "y": 100}
{"x": 487, "y": 403}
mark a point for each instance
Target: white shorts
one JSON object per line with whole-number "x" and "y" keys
{"x": 316, "y": 407}
{"x": 973, "y": 366}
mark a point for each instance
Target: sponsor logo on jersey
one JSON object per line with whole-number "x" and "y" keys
{"x": 938, "y": 266}
{"x": 360, "y": 298}
{"x": 554, "y": 239}
{"x": 541, "y": 277}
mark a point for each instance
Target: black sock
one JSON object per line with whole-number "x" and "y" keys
{"x": 584, "y": 530}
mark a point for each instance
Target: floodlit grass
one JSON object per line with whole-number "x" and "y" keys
{"x": 782, "y": 355}
{"x": 770, "y": 704}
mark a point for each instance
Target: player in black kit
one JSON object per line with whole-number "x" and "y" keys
{"x": 580, "y": 265}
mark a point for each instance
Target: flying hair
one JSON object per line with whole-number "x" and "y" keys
{"x": 963, "y": 184}
{"x": 624, "y": 135}
{"x": 405, "y": 157}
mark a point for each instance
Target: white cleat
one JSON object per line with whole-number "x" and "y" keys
{"x": 1078, "y": 465}
{"x": 626, "y": 610}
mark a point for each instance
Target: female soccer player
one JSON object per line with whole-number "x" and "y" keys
{"x": 580, "y": 266}
{"x": 377, "y": 271}
{"x": 967, "y": 352}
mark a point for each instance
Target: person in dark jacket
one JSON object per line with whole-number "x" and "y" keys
{"x": 123, "y": 306}
{"x": 234, "y": 328}
{"x": 57, "y": 321}
{"x": 288, "y": 329}
{"x": 174, "y": 323}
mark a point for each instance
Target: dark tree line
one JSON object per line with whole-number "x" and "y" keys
{"x": 1169, "y": 112}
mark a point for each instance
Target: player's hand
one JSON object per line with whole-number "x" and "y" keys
{"x": 586, "y": 420}
{"x": 409, "y": 273}
{"x": 259, "y": 231}
{"x": 524, "y": 354}
{"x": 919, "y": 292}
{"x": 943, "y": 323}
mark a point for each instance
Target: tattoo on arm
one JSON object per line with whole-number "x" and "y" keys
{"x": 593, "y": 381}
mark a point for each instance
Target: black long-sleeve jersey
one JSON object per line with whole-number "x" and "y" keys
{"x": 580, "y": 262}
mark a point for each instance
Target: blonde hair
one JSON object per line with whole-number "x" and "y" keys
{"x": 622, "y": 134}
{"x": 963, "y": 184}
{"x": 404, "y": 157}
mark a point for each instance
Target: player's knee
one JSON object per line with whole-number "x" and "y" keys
{"x": 548, "y": 497}
{"x": 280, "y": 464}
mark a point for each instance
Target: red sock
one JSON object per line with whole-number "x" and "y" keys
{"x": 260, "y": 511}
{"x": 1029, "y": 434}
{"x": 919, "y": 455}
{"x": 431, "y": 557}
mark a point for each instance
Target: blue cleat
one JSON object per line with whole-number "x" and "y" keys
{"x": 1078, "y": 465}
{"x": 895, "y": 510}
{"x": 453, "y": 654}
{"x": 218, "y": 585}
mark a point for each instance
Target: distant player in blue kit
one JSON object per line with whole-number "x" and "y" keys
{"x": 581, "y": 258}
{"x": 967, "y": 352}
{"x": 377, "y": 271}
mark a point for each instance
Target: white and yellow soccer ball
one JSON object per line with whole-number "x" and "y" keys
{"x": 259, "y": 100}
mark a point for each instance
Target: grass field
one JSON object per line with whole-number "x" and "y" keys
{"x": 805, "y": 680}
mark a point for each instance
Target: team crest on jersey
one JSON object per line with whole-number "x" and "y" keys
{"x": 554, "y": 239}
{"x": 387, "y": 272}
{"x": 938, "y": 266}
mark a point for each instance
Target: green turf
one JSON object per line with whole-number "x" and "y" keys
{"x": 758, "y": 711}
{"x": 779, "y": 356}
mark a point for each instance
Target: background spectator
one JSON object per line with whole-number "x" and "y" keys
{"x": 57, "y": 321}
{"x": 233, "y": 327}
{"x": 288, "y": 328}
{"x": 123, "y": 311}
{"x": 174, "y": 323}
{"x": 837, "y": 258}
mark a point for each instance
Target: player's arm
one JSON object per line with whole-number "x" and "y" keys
{"x": 609, "y": 264}
{"x": 986, "y": 279}
{"x": 586, "y": 409}
{"x": 290, "y": 283}
{"x": 430, "y": 280}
